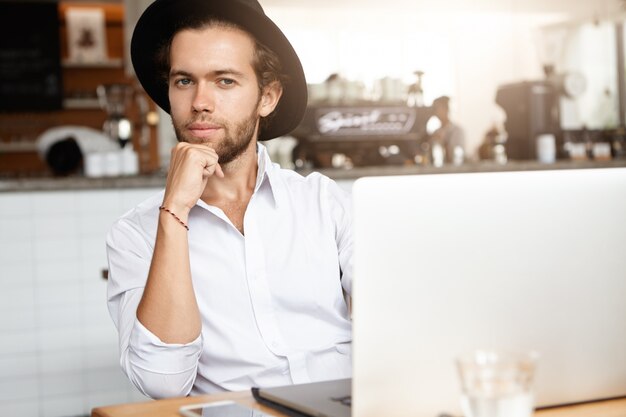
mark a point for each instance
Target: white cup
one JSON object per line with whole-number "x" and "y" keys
{"x": 112, "y": 163}
{"x": 94, "y": 165}
{"x": 130, "y": 161}
{"x": 601, "y": 151}
{"x": 546, "y": 148}
{"x": 578, "y": 151}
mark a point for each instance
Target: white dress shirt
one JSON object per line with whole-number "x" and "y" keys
{"x": 272, "y": 302}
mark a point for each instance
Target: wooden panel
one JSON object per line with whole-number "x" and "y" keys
{"x": 86, "y": 80}
{"x": 23, "y": 163}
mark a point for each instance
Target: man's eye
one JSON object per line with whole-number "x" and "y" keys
{"x": 227, "y": 81}
{"x": 182, "y": 81}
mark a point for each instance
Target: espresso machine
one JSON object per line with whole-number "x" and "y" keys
{"x": 533, "y": 108}
{"x": 360, "y": 134}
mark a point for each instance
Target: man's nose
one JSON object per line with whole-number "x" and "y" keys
{"x": 203, "y": 100}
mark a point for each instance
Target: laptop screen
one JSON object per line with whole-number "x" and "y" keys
{"x": 518, "y": 261}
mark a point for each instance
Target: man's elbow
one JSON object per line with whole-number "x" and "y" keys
{"x": 156, "y": 385}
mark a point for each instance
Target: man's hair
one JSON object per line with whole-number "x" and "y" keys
{"x": 265, "y": 62}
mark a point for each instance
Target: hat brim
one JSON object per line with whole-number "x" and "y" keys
{"x": 162, "y": 18}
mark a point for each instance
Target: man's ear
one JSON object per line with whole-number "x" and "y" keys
{"x": 269, "y": 98}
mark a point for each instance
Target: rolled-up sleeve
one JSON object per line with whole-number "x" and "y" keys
{"x": 156, "y": 368}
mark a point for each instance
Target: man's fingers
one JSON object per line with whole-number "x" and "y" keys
{"x": 218, "y": 170}
{"x": 213, "y": 169}
{"x": 203, "y": 154}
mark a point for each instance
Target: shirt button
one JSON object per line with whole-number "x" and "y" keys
{"x": 274, "y": 345}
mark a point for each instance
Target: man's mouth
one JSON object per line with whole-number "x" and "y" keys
{"x": 203, "y": 130}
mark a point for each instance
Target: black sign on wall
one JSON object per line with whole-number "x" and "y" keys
{"x": 30, "y": 58}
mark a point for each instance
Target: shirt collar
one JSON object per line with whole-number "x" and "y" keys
{"x": 269, "y": 172}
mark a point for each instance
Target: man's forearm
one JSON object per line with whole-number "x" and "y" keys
{"x": 168, "y": 307}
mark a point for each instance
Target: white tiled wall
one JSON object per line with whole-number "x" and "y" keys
{"x": 58, "y": 345}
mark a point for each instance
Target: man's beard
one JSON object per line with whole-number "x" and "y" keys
{"x": 236, "y": 139}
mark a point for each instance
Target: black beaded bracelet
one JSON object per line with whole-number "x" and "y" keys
{"x": 175, "y": 216}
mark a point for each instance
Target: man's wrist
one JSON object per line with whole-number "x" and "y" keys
{"x": 178, "y": 219}
{"x": 180, "y": 210}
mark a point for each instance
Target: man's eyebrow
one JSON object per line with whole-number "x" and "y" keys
{"x": 216, "y": 73}
{"x": 229, "y": 71}
{"x": 180, "y": 73}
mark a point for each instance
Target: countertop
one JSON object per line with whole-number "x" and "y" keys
{"x": 169, "y": 407}
{"x": 158, "y": 180}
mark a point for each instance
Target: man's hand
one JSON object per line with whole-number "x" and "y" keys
{"x": 191, "y": 166}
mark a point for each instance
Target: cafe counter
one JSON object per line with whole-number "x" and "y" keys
{"x": 341, "y": 175}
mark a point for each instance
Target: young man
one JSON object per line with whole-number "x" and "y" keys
{"x": 236, "y": 274}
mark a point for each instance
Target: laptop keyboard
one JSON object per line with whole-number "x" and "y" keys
{"x": 345, "y": 400}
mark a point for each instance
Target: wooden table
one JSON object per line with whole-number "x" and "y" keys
{"x": 169, "y": 407}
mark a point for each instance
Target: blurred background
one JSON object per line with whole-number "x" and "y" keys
{"x": 395, "y": 87}
{"x": 509, "y": 71}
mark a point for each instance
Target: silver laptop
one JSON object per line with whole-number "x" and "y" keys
{"x": 317, "y": 399}
{"x": 445, "y": 264}
{"x": 448, "y": 263}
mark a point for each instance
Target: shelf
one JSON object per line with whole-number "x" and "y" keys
{"x": 81, "y": 104}
{"x": 109, "y": 63}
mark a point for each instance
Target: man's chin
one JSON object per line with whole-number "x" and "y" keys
{"x": 196, "y": 140}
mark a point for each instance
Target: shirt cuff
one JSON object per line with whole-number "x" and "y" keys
{"x": 148, "y": 352}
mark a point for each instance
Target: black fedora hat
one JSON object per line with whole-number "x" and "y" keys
{"x": 163, "y": 18}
